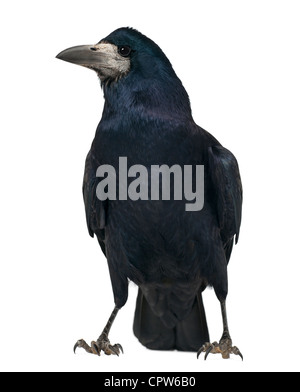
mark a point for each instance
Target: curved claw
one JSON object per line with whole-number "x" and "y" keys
{"x": 236, "y": 351}
{"x": 82, "y": 343}
{"x": 75, "y": 346}
{"x": 208, "y": 351}
{"x": 201, "y": 349}
{"x": 114, "y": 350}
{"x": 120, "y": 347}
{"x": 79, "y": 343}
{"x": 95, "y": 348}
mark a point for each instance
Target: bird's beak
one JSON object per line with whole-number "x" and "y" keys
{"x": 103, "y": 57}
{"x": 90, "y": 56}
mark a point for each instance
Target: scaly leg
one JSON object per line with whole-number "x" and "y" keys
{"x": 102, "y": 342}
{"x": 224, "y": 346}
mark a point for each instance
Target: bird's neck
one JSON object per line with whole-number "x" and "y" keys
{"x": 144, "y": 99}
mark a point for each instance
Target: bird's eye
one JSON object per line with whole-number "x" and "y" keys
{"x": 124, "y": 50}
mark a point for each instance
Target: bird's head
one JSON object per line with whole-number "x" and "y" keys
{"x": 121, "y": 52}
{"x": 130, "y": 60}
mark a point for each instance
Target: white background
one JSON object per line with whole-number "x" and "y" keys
{"x": 240, "y": 62}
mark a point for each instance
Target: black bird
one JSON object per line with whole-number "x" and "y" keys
{"x": 172, "y": 254}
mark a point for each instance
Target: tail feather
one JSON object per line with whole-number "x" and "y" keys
{"x": 188, "y": 334}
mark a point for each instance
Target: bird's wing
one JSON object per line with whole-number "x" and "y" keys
{"x": 227, "y": 186}
{"x": 95, "y": 209}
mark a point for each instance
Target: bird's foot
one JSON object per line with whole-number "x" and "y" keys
{"x": 102, "y": 344}
{"x": 224, "y": 347}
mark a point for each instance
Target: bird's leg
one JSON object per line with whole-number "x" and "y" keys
{"x": 224, "y": 347}
{"x": 102, "y": 343}
{"x": 225, "y": 344}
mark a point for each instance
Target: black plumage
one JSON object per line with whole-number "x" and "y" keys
{"x": 170, "y": 253}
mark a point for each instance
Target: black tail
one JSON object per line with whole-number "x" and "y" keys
{"x": 189, "y": 334}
